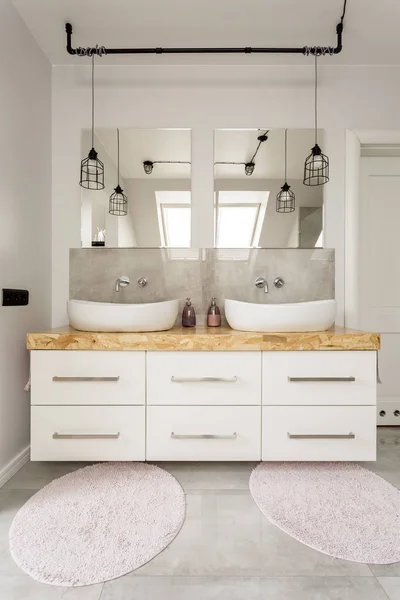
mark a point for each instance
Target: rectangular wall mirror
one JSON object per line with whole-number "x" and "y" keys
{"x": 249, "y": 172}
{"x": 155, "y": 175}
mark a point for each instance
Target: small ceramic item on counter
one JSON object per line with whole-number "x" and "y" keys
{"x": 188, "y": 315}
{"x": 214, "y": 314}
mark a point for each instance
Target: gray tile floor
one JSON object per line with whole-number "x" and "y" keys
{"x": 226, "y": 549}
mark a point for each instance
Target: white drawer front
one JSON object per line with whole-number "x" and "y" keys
{"x": 315, "y": 378}
{"x": 288, "y": 431}
{"x": 204, "y": 378}
{"x": 178, "y": 433}
{"x": 87, "y": 377}
{"x": 87, "y": 433}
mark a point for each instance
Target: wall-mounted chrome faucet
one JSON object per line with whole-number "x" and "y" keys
{"x": 260, "y": 282}
{"x": 122, "y": 282}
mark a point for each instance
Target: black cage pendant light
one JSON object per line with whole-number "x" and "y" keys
{"x": 92, "y": 169}
{"x": 118, "y": 203}
{"x": 316, "y": 167}
{"x": 285, "y": 200}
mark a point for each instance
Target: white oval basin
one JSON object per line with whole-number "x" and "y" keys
{"x": 108, "y": 316}
{"x": 302, "y": 316}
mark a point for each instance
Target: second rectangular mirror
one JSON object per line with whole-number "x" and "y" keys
{"x": 249, "y": 172}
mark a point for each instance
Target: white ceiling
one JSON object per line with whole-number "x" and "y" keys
{"x": 370, "y": 36}
{"x": 236, "y": 145}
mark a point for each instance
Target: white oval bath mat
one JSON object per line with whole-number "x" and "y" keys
{"x": 340, "y": 509}
{"x": 97, "y": 523}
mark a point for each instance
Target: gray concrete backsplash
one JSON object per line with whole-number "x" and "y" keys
{"x": 202, "y": 274}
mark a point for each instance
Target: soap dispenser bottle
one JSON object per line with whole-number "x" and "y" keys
{"x": 188, "y": 315}
{"x": 214, "y": 314}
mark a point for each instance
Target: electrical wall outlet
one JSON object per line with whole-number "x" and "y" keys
{"x": 15, "y": 297}
{"x": 388, "y": 412}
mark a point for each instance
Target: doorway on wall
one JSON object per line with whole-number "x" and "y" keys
{"x": 379, "y": 267}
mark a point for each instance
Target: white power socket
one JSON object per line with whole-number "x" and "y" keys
{"x": 388, "y": 412}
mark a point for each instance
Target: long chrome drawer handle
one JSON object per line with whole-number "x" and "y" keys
{"x": 321, "y": 436}
{"x": 56, "y": 378}
{"x": 198, "y": 379}
{"x": 86, "y": 436}
{"x": 321, "y": 379}
{"x": 203, "y": 436}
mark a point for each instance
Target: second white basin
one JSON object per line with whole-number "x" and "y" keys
{"x": 108, "y": 316}
{"x": 302, "y": 316}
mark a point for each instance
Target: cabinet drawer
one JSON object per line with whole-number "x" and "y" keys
{"x": 319, "y": 433}
{"x": 87, "y": 433}
{"x": 204, "y": 378}
{"x": 80, "y": 377}
{"x": 315, "y": 378}
{"x": 203, "y": 433}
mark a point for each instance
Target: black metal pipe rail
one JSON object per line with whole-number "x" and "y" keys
{"x": 305, "y": 50}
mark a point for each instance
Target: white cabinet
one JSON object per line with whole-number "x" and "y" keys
{"x": 87, "y": 377}
{"x": 319, "y": 433}
{"x": 88, "y": 405}
{"x": 328, "y": 377}
{"x": 203, "y": 433}
{"x": 135, "y": 405}
{"x": 204, "y": 378}
{"x": 88, "y": 433}
{"x": 319, "y": 406}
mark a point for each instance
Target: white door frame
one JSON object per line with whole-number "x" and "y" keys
{"x": 354, "y": 141}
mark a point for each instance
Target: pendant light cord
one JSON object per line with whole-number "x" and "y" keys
{"x": 285, "y": 155}
{"x": 316, "y": 99}
{"x": 92, "y": 100}
{"x": 118, "y": 154}
{"x": 258, "y": 147}
{"x": 344, "y": 12}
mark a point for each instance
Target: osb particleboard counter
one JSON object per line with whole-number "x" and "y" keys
{"x": 203, "y": 338}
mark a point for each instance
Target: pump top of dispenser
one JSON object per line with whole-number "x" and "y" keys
{"x": 214, "y": 309}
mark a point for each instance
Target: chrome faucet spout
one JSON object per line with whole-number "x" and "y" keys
{"x": 121, "y": 282}
{"x": 260, "y": 282}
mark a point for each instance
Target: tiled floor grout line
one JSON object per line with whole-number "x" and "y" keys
{"x": 382, "y": 588}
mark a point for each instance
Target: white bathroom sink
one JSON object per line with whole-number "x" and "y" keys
{"x": 302, "y": 316}
{"x": 107, "y": 316}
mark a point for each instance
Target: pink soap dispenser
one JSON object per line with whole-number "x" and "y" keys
{"x": 214, "y": 314}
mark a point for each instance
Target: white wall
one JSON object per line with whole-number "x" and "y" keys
{"x": 352, "y": 239}
{"x": 25, "y": 218}
{"x": 204, "y": 98}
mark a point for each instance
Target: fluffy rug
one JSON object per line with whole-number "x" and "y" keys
{"x": 97, "y": 523}
{"x": 340, "y": 509}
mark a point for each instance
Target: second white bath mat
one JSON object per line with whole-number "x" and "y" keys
{"x": 340, "y": 509}
{"x": 97, "y": 523}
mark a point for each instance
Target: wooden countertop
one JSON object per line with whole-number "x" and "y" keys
{"x": 203, "y": 338}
